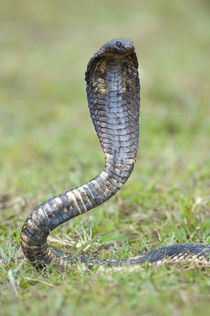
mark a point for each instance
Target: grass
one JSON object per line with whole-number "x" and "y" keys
{"x": 48, "y": 145}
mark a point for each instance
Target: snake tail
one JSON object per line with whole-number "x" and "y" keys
{"x": 113, "y": 92}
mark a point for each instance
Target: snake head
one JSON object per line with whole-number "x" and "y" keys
{"x": 119, "y": 46}
{"x": 114, "y": 49}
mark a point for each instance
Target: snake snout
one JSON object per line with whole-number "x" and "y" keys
{"x": 119, "y": 46}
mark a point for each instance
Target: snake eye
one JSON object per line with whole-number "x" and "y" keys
{"x": 119, "y": 44}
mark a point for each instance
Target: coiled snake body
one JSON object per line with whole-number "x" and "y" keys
{"x": 113, "y": 93}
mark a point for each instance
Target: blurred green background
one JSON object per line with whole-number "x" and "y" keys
{"x": 45, "y": 46}
{"x": 48, "y": 143}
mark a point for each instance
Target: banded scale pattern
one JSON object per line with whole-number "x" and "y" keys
{"x": 113, "y": 93}
{"x": 111, "y": 83}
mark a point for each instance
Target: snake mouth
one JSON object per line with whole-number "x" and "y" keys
{"x": 117, "y": 47}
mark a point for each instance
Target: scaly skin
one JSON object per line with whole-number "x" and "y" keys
{"x": 113, "y": 93}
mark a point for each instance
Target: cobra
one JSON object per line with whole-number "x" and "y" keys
{"x": 113, "y": 93}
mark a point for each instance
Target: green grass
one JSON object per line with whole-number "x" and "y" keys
{"x": 48, "y": 145}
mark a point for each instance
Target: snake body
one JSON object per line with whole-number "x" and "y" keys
{"x": 113, "y": 93}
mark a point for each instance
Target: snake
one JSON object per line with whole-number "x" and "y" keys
{"x": 113, "y": 93}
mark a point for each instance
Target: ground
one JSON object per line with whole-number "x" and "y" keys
{"x": 48, "y": 145}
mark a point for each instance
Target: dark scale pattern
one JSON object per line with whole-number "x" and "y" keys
{"x": 113, "y": 99}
